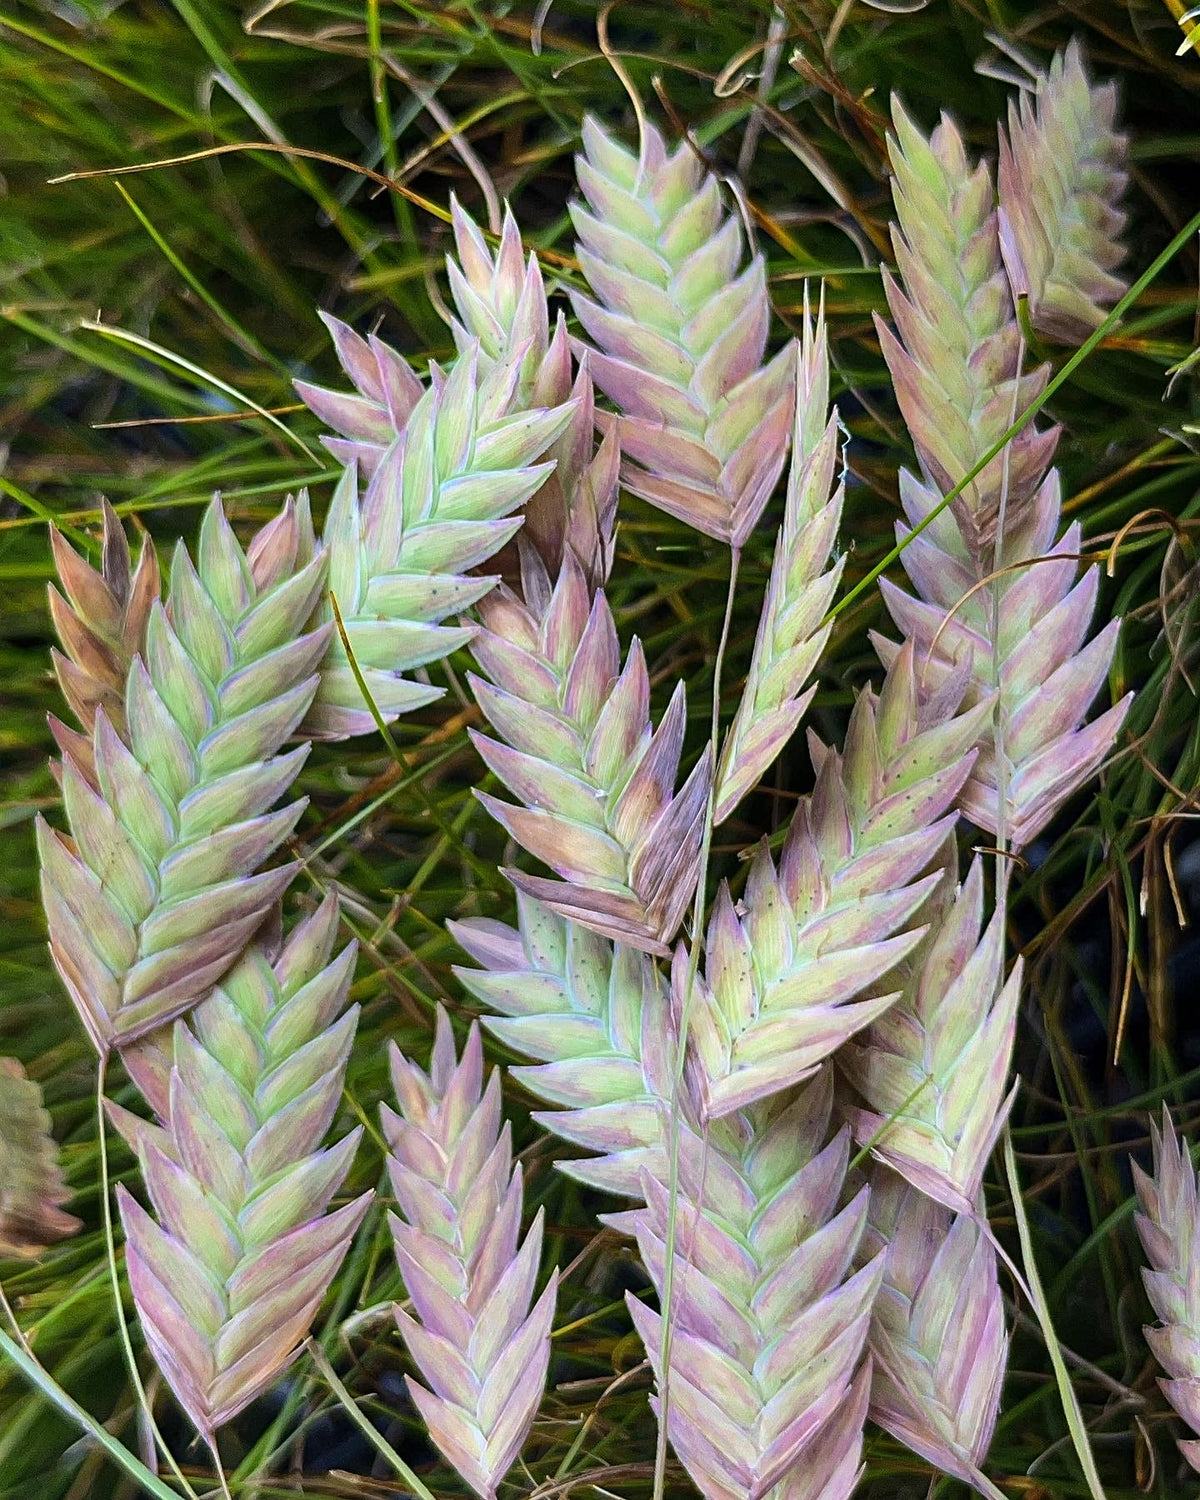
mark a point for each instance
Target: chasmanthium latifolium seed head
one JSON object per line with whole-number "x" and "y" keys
{"x": 100, "y": 617}
{"x": 32, "y": 1188}
{"x": 793, "y": 630}
{"x": 997, "y": 596}
{"x": 933, "y": 1069}
{"x": 442, "y": 500}
{"x": 769, "y": 1310}
{"x": 230, "y": 1271}
{"x": 596, "y": 1017}
{"x": 1061, "y": 178}
{"x": 479, "y": 1340}
{"x": 596, "y": 782}
{"x": 160, "y": 884}
{"x": 937, "y": 1327}
{"x": 1168, "y": 1224}
{"x": 679, "y": 335}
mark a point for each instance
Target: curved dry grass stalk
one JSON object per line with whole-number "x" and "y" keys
{"x": 229, "y": 1274}
{"x": 1168, "y": 1225}
{"x": 101, "y": 618}
{"x": 680, "y": 334}
{"x": 792, "y": 631}
{"x": 769, "y": 1312}
{"x": 478, "y": 1338}
{"x": 1061, "y": 178}
{"x": 32, "y": 1187}
{"x": 160, "y": 886}
{"x": 937, "y": 1329}
{"x": 933, "y": 1069}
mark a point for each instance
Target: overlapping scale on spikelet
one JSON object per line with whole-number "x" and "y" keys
{"x": 476, "y": 1335}
{"x": 229, "y": 1272}
{"x": 160, "y": 884}
{"x": 953, "y": 365}
{"x": 501, "y": 304}
{"x": 1168, "y": 1225}
{"x": 937, "y": 1328}
{"x": 100, "y": 617}
{"x": 680, "y": 333}
{"x": 1061, "y": 177}
{"x": 32, "y": 1189}
{"x": 440, "y": 503}
{"x": 595, "y": 782}
{"x": 1049, "y": 673}
{"x": 369, "y": 419}
{"x": 595, "y": 1016}
{"x": 955, "y": 354}
{"x": 769, "y": 1312}
{"x": 932, "y": 1069}
{"x": 792, "y": 971}
{"x": 792, "y": 632}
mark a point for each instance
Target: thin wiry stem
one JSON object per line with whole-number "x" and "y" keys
{"x": 368, "y": 1430}
{"x": 660, "y": 1452}
{"x": 123, "y": 1326}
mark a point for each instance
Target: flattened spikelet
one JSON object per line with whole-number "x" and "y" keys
{"x": 793, "y": 971}
{"x": 791, "y": 634}
{"x": 1049, "y": 672}
{"x": 230, "y": 1271}
{"x": 1061, "y": 178}
{"x": 476, "y": 1335}
{"x": 933, "y": 1068}
{"x": 954, "y": 364}
{"x": 576, "y": 746}
{"x": 371, "y": 417}
{"x": 160, "y": 885}
{"x": 595, "y": 1017}
{"x": 681, "y": 333}
{"x": 441, "y": 501}
{"x": 770, "y": 1313}
{"x": 100, "y": 617}
{"x": 1169, "y": 1228}
{"x": 32, "y": 1189}
{"x": 955, "y": 355}
{"x": 937, "y": 1329}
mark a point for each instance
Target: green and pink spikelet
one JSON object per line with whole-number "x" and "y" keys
{"x": 595, "y": 782}
{"x": 937, "y": 1329}
{"x": 793, "y": 628}
{"x": 596, "y": 1018}
{"x": 160, "y": 885}
{"x": 229, "y": 1273}
{"x": 441, "y": 501}
{"x": 679, "y": 331}
{"x": 370, "y": 418}
{"x": 770, "y": 1313}
{"x": 32, "y": 1187}
{"x": 956, "y": 355}
{"x": 932, "y": 1070}
{"x": 1168, "y": 1223}
{"x": 998, "y": 596}
{"x": 1061, "y": 178}
{"x": 100, "y": 617}
{"x": 791, "y": 973}
{"x": 479, "y": 1340}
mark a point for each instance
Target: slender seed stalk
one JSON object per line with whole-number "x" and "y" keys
{"x": 698, "y": 908}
